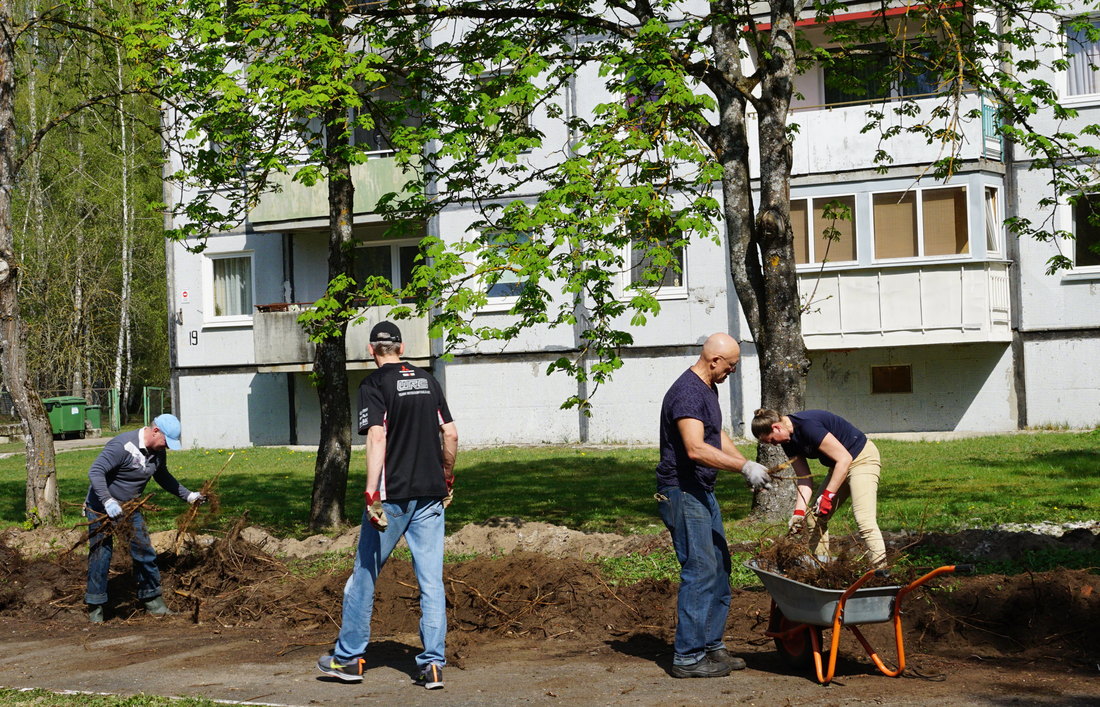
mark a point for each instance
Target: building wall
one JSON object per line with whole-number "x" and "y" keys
{"x": 233, "y": 409}
{"x": 1060, "y": 375}
{"x": 961, "y": 387}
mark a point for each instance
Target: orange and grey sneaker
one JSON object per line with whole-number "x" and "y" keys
{"x": 351, "y": 671}
{"x": 431, "y": 677}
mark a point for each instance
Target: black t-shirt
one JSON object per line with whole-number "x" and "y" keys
{"x": 811, "y": 426}
{"x": 690, "y": 397}
{"x": 409, "y": 404}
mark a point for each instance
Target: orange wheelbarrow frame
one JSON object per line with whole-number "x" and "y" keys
{"x": 813, "y": 605}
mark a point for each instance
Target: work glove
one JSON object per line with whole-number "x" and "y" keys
{"x": 757, "y": 475}
{"x": 375, "y": 513}
{"x": 825, "y": 504}
{"x": 113, "y": 509}
{"x": 797, "y": 522}
{"x": 196, "y": 497}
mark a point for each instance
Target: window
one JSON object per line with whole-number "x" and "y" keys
{"x": 656, "y": 253}
{"x": 1083, "y": 50}
{"x": 873, "y": 72}
{"x": 231, "y": 279}
{"x": 924, "y": 222}
{"x": 892, "y": 379}
{"x": 820, "y": 216}
{"x": 505, "y": 282}
{"x": 513, "y": 117}
{"x": 393, "y": 262}
{"x": 993, "y": 221}
{"x": 1086, "y": 231}
{"x": 857, "y": 76}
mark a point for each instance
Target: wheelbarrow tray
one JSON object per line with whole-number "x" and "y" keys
{"x": 803, "y": 603}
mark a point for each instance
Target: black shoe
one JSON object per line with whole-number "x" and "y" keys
{"x": 431, "y": 677}
{"x": 723, "y": 656}
{"x": 703, "y": 668}
{"x": 348, "y": 672}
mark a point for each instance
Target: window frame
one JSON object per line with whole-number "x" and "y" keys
{"x": 395, "y": 247}
{"x": 812, "y": 263}
{"x": 1068, "y": 98}
{"x": 921, "y": 256}
{"x": 660, "y": 291}
{"x": 499, "y": 304}
{"x": 210, "y": 319}
{"x": 1073, "y": 220}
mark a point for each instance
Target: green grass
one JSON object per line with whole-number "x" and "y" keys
{"x": 929, "y": 486}
{"x": 45, "y": 698}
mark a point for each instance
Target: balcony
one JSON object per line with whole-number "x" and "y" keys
{"x": 281, "y": 345}
{"x": 832, "y": 138}
{"x": 906, "y": 305}
{"x": 296, "y": 203}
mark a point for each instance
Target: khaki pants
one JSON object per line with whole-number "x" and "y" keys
{"x": 862, "y": 486}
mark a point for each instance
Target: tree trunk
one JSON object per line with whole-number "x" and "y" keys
{"x": 122, "y": 348}
{"x": 761, "y": 245}
{"x": 330, "y": 476}
{"x": 41, "y": 493}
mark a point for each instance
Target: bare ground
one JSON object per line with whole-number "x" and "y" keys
{"x": 527, "y": 628}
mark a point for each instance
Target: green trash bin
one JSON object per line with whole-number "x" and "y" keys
{"x": 66, "y": 414}
{"x": 94, "y": 416}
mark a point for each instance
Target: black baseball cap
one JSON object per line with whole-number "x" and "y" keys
{"x": 385, "y": 332}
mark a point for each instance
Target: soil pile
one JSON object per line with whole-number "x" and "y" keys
{"x": 232, "y": 582}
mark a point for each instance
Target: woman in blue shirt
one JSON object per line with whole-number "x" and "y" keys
{"x": 854, "y": 468}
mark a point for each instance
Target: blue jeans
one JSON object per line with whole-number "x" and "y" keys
{"x": 703, "y": 602}
{"x": 100, "y": 550}
{"x": 420, "y": 520}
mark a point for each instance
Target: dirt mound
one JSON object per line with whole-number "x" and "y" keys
{"x": 506, "y": 535}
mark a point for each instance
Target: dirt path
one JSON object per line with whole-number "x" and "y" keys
{"x": 525, "y": 628}
{"x": 173, "y": 657}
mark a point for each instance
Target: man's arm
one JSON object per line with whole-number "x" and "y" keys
{"x": 691, "y": 432}
{"x": 109, "y": 458}
{"x": 376, "y": 456}
{"x": 449, "y": 431}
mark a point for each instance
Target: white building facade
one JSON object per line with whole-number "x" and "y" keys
{"x": 925, "y": 316}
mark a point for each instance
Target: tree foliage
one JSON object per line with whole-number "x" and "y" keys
{"x": 577, "y": 130}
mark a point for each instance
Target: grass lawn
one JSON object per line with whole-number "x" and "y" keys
{"x": 925, "y": 485}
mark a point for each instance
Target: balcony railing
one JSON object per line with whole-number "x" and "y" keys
{"x": 282, "y": 345}
{"x": 906, "y": 305}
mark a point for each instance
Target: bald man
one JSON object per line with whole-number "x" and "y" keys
{"x": 693, "y": 449}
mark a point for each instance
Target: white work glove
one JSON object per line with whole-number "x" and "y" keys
{"x": 113, "y": 509}
{"x": 375, "y": 513}
{"x": 797, "y": 522}
{"x": 757, "y": 475}
{"x": 196, "y": 497}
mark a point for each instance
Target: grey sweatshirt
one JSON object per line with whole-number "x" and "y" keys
{"x": 124, "y": 467}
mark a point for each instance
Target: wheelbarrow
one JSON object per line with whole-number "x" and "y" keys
{"x": 800, "y": 611}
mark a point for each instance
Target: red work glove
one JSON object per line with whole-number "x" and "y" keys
{"x": 375, "y": 513}
{"x": 825, "y": 503}
{"x": 797, "y": 522}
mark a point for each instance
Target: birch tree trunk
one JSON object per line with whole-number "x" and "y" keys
{"x": 41, "y": 493}
{"x": 122, "y": 349}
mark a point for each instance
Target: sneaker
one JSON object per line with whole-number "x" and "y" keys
{"x": 724, "y": 656}
{"x": 95, "y": 613}
{"x": 703, "y": 668}
{"x": 348, "y": 672}
{"x": 431, "y": 677}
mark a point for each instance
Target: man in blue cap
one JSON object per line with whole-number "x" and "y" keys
{"x": 120, "y": 474}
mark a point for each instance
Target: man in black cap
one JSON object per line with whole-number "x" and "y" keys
{"x": 411, "y": 446}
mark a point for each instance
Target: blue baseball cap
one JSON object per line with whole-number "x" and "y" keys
{"x": 170, "y": 426}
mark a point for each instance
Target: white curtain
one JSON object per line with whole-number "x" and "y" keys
{"x": 1084, "y": 58}
{"x": 232, "y": 287}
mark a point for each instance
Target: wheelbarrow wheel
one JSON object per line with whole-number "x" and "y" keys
{"x": 796, "y": 649}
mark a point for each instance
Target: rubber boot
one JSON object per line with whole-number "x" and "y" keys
{"x": 95, "y": 613}
{"x": 157, "y": 607}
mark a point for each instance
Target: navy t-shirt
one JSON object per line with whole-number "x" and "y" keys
{"x": 811, "y": 426}
{"x": 689, "y": 396}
